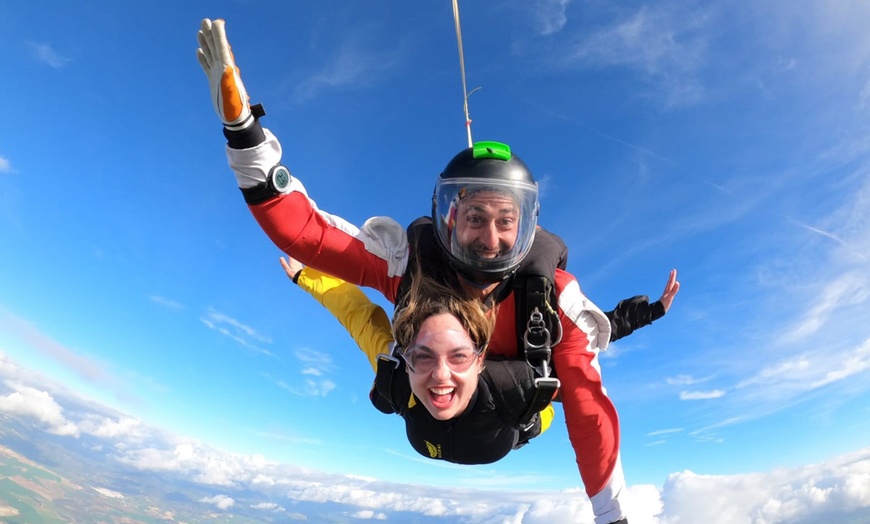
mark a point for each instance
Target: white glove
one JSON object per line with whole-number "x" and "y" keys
{"x": 227, "y": 90}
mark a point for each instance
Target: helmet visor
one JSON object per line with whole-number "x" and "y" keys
{"x": 486, "y": 225}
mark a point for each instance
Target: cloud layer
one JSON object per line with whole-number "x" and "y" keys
{"x": 840, "y": 486}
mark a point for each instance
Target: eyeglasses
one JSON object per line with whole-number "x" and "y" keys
{"x": 422, "y": 361}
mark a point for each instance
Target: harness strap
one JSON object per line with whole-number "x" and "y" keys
{"x": 536, "y": 323}
{"x": 382, "y": 394}
{"x": 546, "y": 389}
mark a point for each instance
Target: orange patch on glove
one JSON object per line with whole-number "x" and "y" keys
{"x": 231, "y": 100}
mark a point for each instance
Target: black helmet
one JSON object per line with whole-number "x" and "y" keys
{"x": 485, "y": 189}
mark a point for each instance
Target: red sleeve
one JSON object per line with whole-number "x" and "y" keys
{"x": 593, "y": 425}
{"x": 324, "y": 242}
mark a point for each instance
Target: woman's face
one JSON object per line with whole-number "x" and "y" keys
{"x": 441, "y": 348}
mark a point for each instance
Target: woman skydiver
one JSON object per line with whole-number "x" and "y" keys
{"x": 457, "y": 405}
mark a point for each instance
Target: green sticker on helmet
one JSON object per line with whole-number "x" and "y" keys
{"x": 490, "y": 149}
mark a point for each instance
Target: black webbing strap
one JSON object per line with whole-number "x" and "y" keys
{"x": 546, "y": 389}
{"x": 382, "y": 395}
{"x": 536, "y": 321}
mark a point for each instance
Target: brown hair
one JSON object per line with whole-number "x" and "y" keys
{"x": 427, "y": 297}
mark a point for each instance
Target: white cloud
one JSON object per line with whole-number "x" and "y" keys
{"x": 441, "y": 503}
{"x": 778, "y": 495}
{"x": 664, "y": 45}
{"x": 192, "y": 458}
{"x": 805, "y": 372}
{"x": 220, "y": 318}
{"x": 813, "y": 493}
{"x": 37, "y": 404}
{"x": 124, "y": 427}
{"x": 847, "y": 289}
{"x": 811, "y": 306}
{"x": 550, "y": 15}
{"x": 314, "y": 367}
{"x": 220, "y": 501}
{"x": 702, "y": 395}
{"x": 109, "y": 493}
{"x": 833, "y": 237}
{"x": 368, "y": 515}
{"x": 837, "y": 487}
{"x": 319, "y": 388}
{"x": 686, "y": 380}
{"x": 663, "y": 432}
{"x": 47, "y": 55}
{"x": 28, "y": 398}
{"x": 5, "y": 165}
{"x": 165, "y": 302}
{"x": 315, "y": 361}
{"x": 308, "y": 387}
{"x": 244, "y": 335}
{"x": 268, "y": 506}
{"x": 351, "y": 66}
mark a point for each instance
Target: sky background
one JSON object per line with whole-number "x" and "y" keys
{"x": 729, "y": 140}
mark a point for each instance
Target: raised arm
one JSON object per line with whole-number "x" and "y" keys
{"x": 373, "y": 255}
{"x": 637, "y": 312}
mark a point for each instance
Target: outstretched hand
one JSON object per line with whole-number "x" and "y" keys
{"x": 671, "y": 289}
{"x": 228, "y": 93}
{"x": 291, "y": 266}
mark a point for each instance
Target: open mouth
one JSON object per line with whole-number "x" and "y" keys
{"x": 442, "y": 397}
{"x": 481, "y": 253}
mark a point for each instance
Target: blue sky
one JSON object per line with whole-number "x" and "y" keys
{"x": 729, "y": 140}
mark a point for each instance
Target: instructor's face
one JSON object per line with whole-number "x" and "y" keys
{"x": 487, "y": 224}
{"x": 447, "y": 364}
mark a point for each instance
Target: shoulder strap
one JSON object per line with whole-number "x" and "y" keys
{"x": 548, "y": 252}
{"x": 538, "y": 327}
{"x": 537, "y": 319}
{"x": 391, "y": 389}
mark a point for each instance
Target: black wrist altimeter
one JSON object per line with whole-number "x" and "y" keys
{"x": 279, "y": 179}
{"x": 277, "y": 183}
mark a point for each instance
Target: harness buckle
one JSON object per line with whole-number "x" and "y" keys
{"x": 546, "y": 389}
{"x": 389, "y": 359}
{"x": 537, "y": 329}
{"x": 537, "y": 340}
{"x": 548, "y": 384}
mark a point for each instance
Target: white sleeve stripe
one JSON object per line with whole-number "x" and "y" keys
{"x": 252, "y": 165}
{"x": 585, "y": 315}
